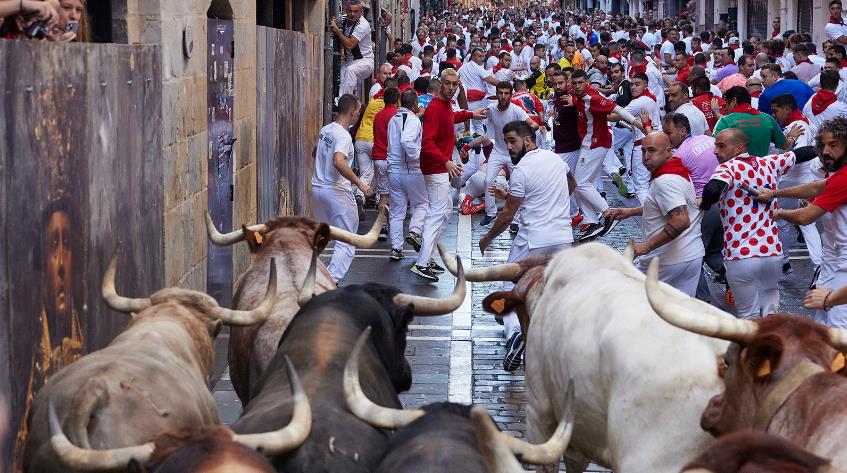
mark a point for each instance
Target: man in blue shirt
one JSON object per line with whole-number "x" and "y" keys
{"x": 776, "y": 86}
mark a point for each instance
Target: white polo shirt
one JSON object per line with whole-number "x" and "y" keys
{"x": 696, "y": 119}
{"x": 833, "y": 31}
{"x": 498, "y": 119}
{"x": 361, "y": 30}
{"x": 541, "y": 180}
{"x": 666, "y": 193}
{"x": 332, "y": 139}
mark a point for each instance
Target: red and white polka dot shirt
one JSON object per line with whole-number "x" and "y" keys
{"x": 749, "y": 228}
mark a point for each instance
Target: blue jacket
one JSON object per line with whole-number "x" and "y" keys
{"x": 800, "y": 90}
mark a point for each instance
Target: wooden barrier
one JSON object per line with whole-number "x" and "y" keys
{"x": 80, "y": 171}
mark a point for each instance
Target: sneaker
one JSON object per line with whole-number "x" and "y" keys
{"x": 360, "y": 206}
{"x": 787, "y": 269}
{"x": 513, "y": 228}
{"x": 466, "y": 205}
{"x": 621, "y": 185}
{"x": 631, "y": 195}
{"x": 435, "y": 268}
{"x": 395, "y": 255}
{"x": 577, "y": 220}
{"x": 598, "y": 230}
{"x": 514, "y": 353}
{"x": 383, "y": 233}
{"x": 424, "y": 272}
{"x": 486, "y": 221}
{"x": 414, "y": 239}
{"x": 585, "y": 226}
{"x": 590, "y": 231}
{"x": 603, "y": 195}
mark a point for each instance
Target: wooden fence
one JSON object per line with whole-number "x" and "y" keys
{"x": 80, "y": 172}
{"x": 289, "y": 115}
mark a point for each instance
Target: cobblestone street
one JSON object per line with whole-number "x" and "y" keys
{"x": 459, "y": 357}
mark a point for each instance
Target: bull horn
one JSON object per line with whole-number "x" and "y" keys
{"x": 110, "y": 295}
{"x": 82, "y": 459}
{"x": 838, "y": 338}
{"x": 364, "y": 408}
{"x": 498, "y": 272}
{"x": 552, "y": 450}
{"x": 360, "y": 241}
{"x": 497, "y": 455}
{"x": 257, "y": 315}
{"x": 319, "y": 242}
{"x": 226, "y": 239}
{"x": 707, "y": 321}
{"x": 292, "y": 435}
{"x": 629, "y": 251}
{"x": 434, "y": 306}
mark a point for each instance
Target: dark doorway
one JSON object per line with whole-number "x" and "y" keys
{"x": 757, "y": 18}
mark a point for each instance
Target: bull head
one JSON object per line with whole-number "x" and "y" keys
{"x": 422, "y": 306}
{"x": 227, "y": 316}
{"x": 271, "y": 443}
{"x": 360, "y": 241}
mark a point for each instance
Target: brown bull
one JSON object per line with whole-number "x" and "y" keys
{"x": 783, "y": 374}
{"x": 153, "y": 377}
{"x": 289, "y": 240}
{"x": 752, "y": 452}
{"x": 206, "y": 449}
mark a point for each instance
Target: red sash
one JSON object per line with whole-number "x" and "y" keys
{"x": 672, "y": 166}
{"x": 745, "y": 108}
{"x": 821, "y": 100}
{"x": 795, "y": 116}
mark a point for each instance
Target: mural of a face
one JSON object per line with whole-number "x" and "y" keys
{"x": 59, "y": 266}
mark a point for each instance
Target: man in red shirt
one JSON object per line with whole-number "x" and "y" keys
{"x": 703, "y": 99}
{"x": 391, "y": 97}
{"x": 437, "y": 167}
{"x": 594, "y": 111}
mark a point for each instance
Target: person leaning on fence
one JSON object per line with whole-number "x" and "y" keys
{"x": 355, "y": 38}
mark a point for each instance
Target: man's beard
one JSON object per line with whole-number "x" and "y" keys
{"x": 836, "y": 163}
{"x": 516, "y": 158}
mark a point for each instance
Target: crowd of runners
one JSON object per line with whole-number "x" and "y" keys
{"x": 727, "y": 150}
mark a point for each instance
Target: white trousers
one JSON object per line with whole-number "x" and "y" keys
{"x": 571, "y": 159}
{"x": 640, "y": 176}
{"x": 353, "y": 73}
{"x": 683, "y": 276}
{"x": 405, "y": 189}
{"x": 496, "y": 162}
{"x": 380, "y": 177}
{"x": 787, "y": 232}
{"x": 587, "y": 169}
{"x": 511, "y": 324}
{"x": 364, "y": 150}
{"x": 622, "y": 139}
{"x": 477, "y": 126}
{"x": 337, "y": 208}
{"x": 836, "y": 316}
{"x": 438, "y": 213}
{"x": 754, "y": 283}
{"x": 475, "y": 161}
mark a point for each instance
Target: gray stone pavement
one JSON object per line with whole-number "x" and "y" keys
{"x": 458, "y": 357}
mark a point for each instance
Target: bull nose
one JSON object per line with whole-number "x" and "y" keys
{"x": 711, "y": 415}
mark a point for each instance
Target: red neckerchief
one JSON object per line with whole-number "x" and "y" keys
{"x": 690, "y": 60}
{"x": 647, "y": 93}
{"x": 773, "y": 35}
{"x": 424, "y": 72}
{"x": 698, "y": 49}
{"x": 745, "y": 108}
{"x": 821, "y": 100}
{"x": 496, "y": 68}
{"x": 506, "y": 47}
{"x": 636, "y": 69}
{"x": 672, "y": 166}
{"x": 733, "y": 47}
{"x": 842, "y": 62}
{"x": 379, "y": 94}
{"x": 404, "y": 87}
{"x": 455, "y": 62}
{"x": 836, "y": 21}
{"x": 796, "y": 115}
{"x": 616, "y": 55}
{"x": 421, "y": 42}
{"x": 756, "y": 94}
{"x": 749, "y": 160}
{"x": 682, "y": 76}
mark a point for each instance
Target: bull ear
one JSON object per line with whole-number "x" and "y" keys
{"x": 254, "y": 239}
{"x": 501, "y": 302}
{"x": 763, "y": 356}
{"x": 838, "y": 363}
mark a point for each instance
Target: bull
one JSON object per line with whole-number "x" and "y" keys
{"x": 751, "y": 452}
{"x": 288, "y": 239}
{"x": 425, "y": 434}
{"x": 640, "y": 384}
{"x": 783, "y": 374}
{"x": 319, "y": 340}
{"x": 157, "y": 371}
{"x": 193, "y": 450}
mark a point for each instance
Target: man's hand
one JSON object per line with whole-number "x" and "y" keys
{"x": 814, "y": 298}
{"x": 645, "y": 117}
{"x": 765, "y": 195}
{"x": 716, "y": 106}
{"x": 366, "y": 189}
{"x": 794, "y": 133}
{"x": 568, "y": 100}
{"x": 333, "y": 24}
{"x": 480, "y": 113}
{"x": 498, "y": 192}
{"x": 453, "y": 169}
{"x": 778, "y": 214}
{"x": 43, "y": 11}
{"x": 616, "y": 213}
{"x": 484, "y": 243}
{"x": 641, "y": 249}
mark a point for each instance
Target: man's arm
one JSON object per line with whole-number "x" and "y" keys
{"x": 677, "y": 223}
{"x": 409, "y": 139}
{"x": 807, "y": 191}
{"x": 504, "y": 218}
{"x": 347, "y": 43}
{"x": 712, "y": 193}
{"x": 801, "y": 216}
{"x": 824, "y": 298}
{"x": 571, "y": 183}
{"x": 339, "y": 160}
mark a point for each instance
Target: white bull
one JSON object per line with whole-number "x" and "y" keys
{"x": 641, "y": 383}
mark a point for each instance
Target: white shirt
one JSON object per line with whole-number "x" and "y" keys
{"x": 643, "y": 102}
{"x": 473, "y": 76}
{"x": 332, "y": 139}
{"x": 404, "y": 142}
{"x": 541, "y": 180}
{"x": 649, "y": 39}
{"x": 835, "y": 109}
{"x": 800, "y": 173}
{"x": 361, "y": 31}
{"x": 667, "y": 48}
{"x": 417, "y": 47}
{"x": 834, "y": 31}
{"x": 526, "y": 55}
{"x": 687, "y": 41}
{"x": 664, "y": 194}
{"x": 655, "y": 83}
{"x": 696, "y": 118}
{"x": 498, "y": 119}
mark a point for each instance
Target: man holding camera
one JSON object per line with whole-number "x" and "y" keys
{"x": 355, "y": 37}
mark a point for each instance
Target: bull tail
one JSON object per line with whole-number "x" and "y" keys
{"x": 92, "y": 396}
